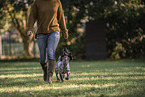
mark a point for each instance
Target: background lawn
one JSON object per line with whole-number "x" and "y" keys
{"x": 121, "y": 78}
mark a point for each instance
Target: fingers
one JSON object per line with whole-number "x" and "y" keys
{"x": 66, "y": 36}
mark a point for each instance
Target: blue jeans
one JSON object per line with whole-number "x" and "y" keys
{"x": 47, "y": 44}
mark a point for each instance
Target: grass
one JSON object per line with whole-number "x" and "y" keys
{"x": 121, "y": 78}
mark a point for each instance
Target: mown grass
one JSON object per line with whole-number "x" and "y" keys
{"x": 121, "y": 78}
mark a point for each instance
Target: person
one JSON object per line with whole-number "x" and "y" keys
{"x": 50, "y": 19}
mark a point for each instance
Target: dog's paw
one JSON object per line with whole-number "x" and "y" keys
{"x": 67, "y": 78}
{"x": 62, "y": 80}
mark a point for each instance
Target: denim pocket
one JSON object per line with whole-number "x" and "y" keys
{"x": 56, "y": 34}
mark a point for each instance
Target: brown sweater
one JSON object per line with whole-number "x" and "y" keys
{"x": 49, "y": 16}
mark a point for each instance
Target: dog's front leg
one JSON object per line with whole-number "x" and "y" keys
{"x": 67, "y": 78}
{"x": 57, "y": 77}
{"x": 61, "y": 77}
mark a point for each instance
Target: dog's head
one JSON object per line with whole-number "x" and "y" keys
{"x": 65, "y": 60}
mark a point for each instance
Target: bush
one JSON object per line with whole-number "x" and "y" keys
{"x": 126, "y": 26}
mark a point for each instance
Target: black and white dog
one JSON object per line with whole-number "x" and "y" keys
{"x": 62, "y": 66}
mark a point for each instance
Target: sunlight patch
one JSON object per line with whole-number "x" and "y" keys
{"x": 108, "y": 73}
{"x": 85, "y": 65}
{"x": 40, "y": 88}
{"x": 107, "y": 78}
{"x": 26, "y": 68}
{"x": 20, "y": 75}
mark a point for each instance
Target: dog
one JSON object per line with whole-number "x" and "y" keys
{"x": 62, "y": 67}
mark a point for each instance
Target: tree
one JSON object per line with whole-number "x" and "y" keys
{"x": 16, "y": 12}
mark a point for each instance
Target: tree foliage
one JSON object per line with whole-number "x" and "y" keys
{"x": 124, "y": 22}
{"x": 126, "y": 29}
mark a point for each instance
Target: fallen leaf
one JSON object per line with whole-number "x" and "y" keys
{"x": 31, "y": 93}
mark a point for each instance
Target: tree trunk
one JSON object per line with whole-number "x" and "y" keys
{"x": 28, "y": 45}
{"x": 0, "y": 46}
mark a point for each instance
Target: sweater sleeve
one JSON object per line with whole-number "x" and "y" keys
{"x": 32, "y": 17}
{"x": 61, "y": 18}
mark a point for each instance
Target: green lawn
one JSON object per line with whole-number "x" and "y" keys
{"x": 121, "y": 78}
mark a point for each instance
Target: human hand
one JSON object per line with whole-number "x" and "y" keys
{"x": 66, "y": 35}
{"x": 29, "y": 33}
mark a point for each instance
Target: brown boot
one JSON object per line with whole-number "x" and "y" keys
{"x": 44, "y": 67}
{"x": 50, "y": 70}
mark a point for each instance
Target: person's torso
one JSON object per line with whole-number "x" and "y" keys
{"x": 47, "y": 15}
